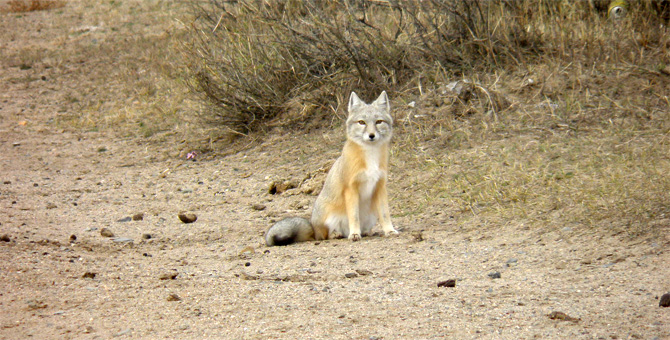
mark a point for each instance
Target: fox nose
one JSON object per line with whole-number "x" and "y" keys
{"x": 372, "y": 136}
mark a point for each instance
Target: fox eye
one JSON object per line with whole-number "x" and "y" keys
{"x": 362, "y": 122}
{"x": 379, "y": 122}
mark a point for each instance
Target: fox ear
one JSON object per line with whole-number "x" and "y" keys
{"x": 383, "y": 101}
{"x": 354, "y": 100}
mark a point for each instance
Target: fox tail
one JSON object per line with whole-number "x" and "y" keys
{"x": 289, "y": 230}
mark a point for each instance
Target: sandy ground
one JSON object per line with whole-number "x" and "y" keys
{"x": 157, "y": 277}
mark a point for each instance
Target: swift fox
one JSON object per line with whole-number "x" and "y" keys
{"x": 354, "y": 194}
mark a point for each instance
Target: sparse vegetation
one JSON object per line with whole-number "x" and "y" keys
{"x": 260, "y": 60}
{"x": 564, "y": 118}
{"x": 18, "y": 6}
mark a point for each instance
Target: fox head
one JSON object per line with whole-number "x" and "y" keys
{"x": 369, "y": 123}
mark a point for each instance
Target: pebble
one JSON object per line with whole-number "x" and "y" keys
{"x": 495, "y": 275}
{"x": 173, "y": 297}
{"x": 448, "y": 283}
{"x": 350, "y": 275}
{"x": 89, "y": 275}
{"x": 138, "y": 217}
{"x": 146, "y": 236}
{"x": 73, "y": 238}
{"x": 187, "y": 217}
{"x": 418, "y": 235}
{"x": 248, "y": 250}
{"x": 258, "y": 207}
{"x": 106, "y": 232}
{"x": 363, "y": 272}
{"x": 561, "y": 316}
{"x": 122, "y": 240}
{"x": 36, "y": 304}
{"x": 125, "y": 219}
{"x": 168, "y": 276}
{"x": 665, "y": 300}
{"x": 123, "y": 332}
{"x": 5, "y": 238}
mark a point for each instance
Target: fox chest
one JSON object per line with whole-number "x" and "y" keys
{"x": 368, "y": 181}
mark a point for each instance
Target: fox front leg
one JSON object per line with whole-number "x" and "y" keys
{"x": 351, "y": 201}
{"x": 383, "y": 212}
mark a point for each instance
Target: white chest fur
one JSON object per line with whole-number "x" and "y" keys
{"x": 370, "y": 177}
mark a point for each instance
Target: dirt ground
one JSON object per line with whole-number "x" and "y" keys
{"x": 157, "y": 277}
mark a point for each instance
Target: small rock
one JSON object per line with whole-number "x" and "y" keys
{"x": 495, "y": 275}
{"x": 665, "y": 300}
{"x": 125, "y": 219}
{"x": 106, "y": 232}
{"x": 146, "y": 236}
{"x": 187, "y": 217}
{"x": 247, "y": 250}
{"x": 351, "y": 275}
{"x": 36, "y": 304}
{"x": 278, "y": 187}
{"x": 258, "y": 207}
{"x": 363, "y": 272}
{"x": 247, "y": 277}
{"x": 89, "y": 329}
{"x": 122, "y": 240}
{"x": 73, "y": 238}
{"x": 418, "y": 235}
{"x": 173, "y": 297}
{"x": 138, "y": 217}
{"x": 555, "y": 315}
{"x": 168, "y": 276}
{"x": 448, "y": 283}
{"x": 123, "y": 332}
{"x": 89, "y": 275}
{"x": 5, "y": 238}
{"x": 51, "y": 206}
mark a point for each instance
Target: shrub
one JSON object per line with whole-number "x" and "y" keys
{"x": 258, "y": 60}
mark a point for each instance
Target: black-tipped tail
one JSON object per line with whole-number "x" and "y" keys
{"x": 282, "y": 240}
{"x": 289, "y": 230}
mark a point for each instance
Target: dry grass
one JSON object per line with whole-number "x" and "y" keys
{"x": 259, "y": 61}
{"x": 19, "y": 6}
{"x": 596, "y": 159}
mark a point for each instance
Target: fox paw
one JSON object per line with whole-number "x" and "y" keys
{"x": 392, "y": 232}
{"x": 355, "y": 237}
